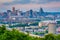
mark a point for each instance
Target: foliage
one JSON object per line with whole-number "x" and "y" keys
{"x": 34, "y": 24}
{"x": 50, "y": 37}
{"x": 17, "y": 35}
{"x": 14, "y": 35}
{"x": 19, "y": 25}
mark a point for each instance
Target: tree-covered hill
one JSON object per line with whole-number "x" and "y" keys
{"x": 16, "y": 35}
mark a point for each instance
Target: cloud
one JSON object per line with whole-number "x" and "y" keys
{"x": 3, "y": 1}
{"x": 43, "y": 1}
{"x": 26, "y": 1}
{"x": 29, "y": 1}
{"x": 30, "y": 4}
{"x": 39, "y": 1}
{"x": 17, "y": 2}
{"x": 51, "y": 6}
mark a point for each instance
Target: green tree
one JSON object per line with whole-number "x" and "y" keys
{"x": 50, "y": 37}
{"x": 58, "y": 37}
{"x": 15, "y": 35}
{"x": 2, "y": 29}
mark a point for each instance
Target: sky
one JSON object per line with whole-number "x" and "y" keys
{"x": 24, "y": 5}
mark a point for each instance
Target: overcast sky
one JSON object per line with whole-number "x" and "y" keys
{"x": 24, "y": 5}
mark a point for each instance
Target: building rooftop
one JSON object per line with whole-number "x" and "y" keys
{"x": 49, "y": 21}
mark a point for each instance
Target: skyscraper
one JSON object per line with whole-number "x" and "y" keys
{"x": 31, "y": 13}
{"x": 8, "y": 11}
{"x": 14, "y": 12}
{"x": 41, "y": 11}
{"x": 13, "y": 9}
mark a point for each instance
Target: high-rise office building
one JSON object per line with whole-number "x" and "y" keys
{"x": 8, "y": 11}
{"x": 13, "y": 9}
{"x": 14, "y": 12}
{"x": 41, "y": 11}
{"x": 27, "y": 14}
{"x": 31, "y": 13}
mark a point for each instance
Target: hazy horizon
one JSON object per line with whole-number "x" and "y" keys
{"x": 24, "y": 5}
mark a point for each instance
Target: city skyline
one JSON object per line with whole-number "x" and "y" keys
{"x": 24, "y": 5}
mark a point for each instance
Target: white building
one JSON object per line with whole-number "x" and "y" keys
{"x": 52, "y": 27}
